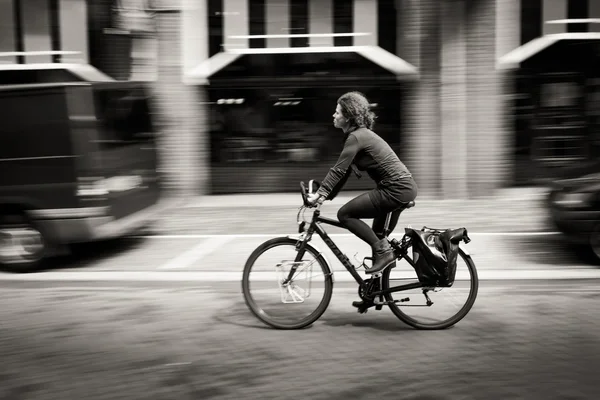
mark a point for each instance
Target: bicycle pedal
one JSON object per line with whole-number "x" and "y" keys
{"x": 379, "y": 307}
{"x": 363, "y": 308}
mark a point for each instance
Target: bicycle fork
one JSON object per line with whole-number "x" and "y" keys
{"x": 300, "y": 247}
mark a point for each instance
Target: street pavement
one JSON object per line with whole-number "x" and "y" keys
{"x": 520, "y": 341}
{"x": 161, "y": 315}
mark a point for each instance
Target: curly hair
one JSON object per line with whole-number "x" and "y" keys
{"x": 355, "y": 107}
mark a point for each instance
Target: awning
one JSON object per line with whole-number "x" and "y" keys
{"x": 514, "y": 58}
{"x": 392, "y": 63}
{"x": 214, "y": 64}
{"x": 85, "y": 72}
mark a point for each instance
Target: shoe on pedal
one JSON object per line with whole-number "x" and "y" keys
{"x": 358, "y": 304}
{"x": 383, "y": 256}
{"x": 362, "y": 306}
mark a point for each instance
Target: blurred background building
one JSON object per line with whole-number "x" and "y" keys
{"x": 473, "y": 95}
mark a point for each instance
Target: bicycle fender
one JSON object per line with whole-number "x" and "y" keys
{"x": 464, "y": 250}
{"x": 318, "y": 251}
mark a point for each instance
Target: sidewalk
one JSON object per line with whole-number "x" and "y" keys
{"x": 509, "y": 210}
{"x": 294, "y": 199}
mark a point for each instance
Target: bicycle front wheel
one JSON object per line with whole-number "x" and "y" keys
{"x": 448, "y": 304}
{"x": 280, "y": 304}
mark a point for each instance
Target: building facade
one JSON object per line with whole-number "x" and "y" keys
{"x": 555, "y": 89}
{"x": 244, "y": 89}
{"x": 443, "y": 119}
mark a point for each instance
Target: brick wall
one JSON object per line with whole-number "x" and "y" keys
{"x": 177, "y": 108}
{"x": 493, "y": 29}
{"x": 420, "y": 29}
{"x": 454, "y": 81}
{"x": 182, "y": 117}
{"x": 454, "y": 115}
{"x": 483, "y": 127}
{"x": 508, "y": 38}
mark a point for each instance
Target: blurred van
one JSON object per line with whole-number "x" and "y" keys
{"x": 78, "y": 160}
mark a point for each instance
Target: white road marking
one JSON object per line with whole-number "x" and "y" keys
{"x": 87, "y": 288}
{"x": 231, "y": 276}
{"x": 274, "y": 235}
{"x": 506, "y": 288}
{"x": 196, "y": 253}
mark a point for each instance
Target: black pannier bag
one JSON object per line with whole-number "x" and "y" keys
{"x": 435, "y": 252}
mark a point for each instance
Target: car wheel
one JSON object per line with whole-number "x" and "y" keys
{"x": 22, "y": 244}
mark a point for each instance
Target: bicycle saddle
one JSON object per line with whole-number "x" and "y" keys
{"x": 407, "y": 205}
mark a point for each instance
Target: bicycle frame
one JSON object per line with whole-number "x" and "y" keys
{"x": 315, "y": 226}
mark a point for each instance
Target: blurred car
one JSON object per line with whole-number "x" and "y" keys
{"x": 574, "y": 204}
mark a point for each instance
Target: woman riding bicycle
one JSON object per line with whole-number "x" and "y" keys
{"x": 367, "y": 151}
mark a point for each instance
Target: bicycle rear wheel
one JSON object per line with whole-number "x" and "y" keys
{"x": 292, "y": 306}
{"x": 413, "y": 309}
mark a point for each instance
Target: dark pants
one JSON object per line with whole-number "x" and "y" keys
{"x": 376, "y": 204}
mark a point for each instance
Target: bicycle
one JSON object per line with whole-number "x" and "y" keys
{"x": 374, "y": 291}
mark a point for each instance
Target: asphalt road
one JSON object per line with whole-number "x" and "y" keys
{"x": 522, "y": 340}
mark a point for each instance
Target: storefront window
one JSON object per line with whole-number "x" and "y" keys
{"x": 289, "y": 125}
{"x": 278, "y": 108}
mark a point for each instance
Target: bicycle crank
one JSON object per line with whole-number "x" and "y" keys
{"x": 363, "y": 308}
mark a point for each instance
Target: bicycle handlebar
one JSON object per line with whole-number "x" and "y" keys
{"x": 304, "y": 191}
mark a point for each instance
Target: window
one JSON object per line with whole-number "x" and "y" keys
{"x": 560, "y": 94}
{"x": 124, "y": 117}
{"x": 290, "y": 125}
